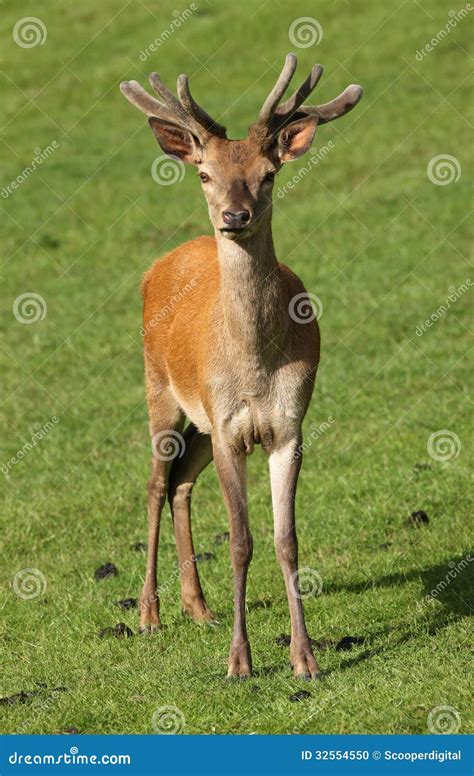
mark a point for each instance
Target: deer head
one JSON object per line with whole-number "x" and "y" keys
{"x": 237, "y": 175}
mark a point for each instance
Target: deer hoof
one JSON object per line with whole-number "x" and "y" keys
{"x": 240, "y": 662}
{"x": 150, "y": 627}
{"x": 304, "y": 663}
{"x": 199, "y": 611}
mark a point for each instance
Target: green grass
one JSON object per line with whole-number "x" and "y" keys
{"x": 370, "y": 235}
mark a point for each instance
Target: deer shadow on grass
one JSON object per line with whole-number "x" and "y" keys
{"x": 451, "y": 583}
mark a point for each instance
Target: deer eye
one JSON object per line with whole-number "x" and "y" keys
{"x": 204, "y": 177}
{"x": 269, "y": 177}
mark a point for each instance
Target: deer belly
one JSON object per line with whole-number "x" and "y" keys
{"x": 193, "y": 409}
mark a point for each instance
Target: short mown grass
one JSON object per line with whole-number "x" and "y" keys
{"x": 379, "y": 244}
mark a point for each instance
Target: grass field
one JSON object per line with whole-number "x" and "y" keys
{"x": 375, "y": 236}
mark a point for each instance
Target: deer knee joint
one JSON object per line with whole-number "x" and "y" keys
{"x": 180, "y": 493}
{"x": 156, "y": 489}
{"x": 286, "y": 548}
{"x": 242, "y": 549}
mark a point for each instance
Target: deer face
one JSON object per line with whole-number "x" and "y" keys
{"x": 237, "y": 175}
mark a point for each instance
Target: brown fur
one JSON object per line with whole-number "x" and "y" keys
{"x": 224, "y": 348}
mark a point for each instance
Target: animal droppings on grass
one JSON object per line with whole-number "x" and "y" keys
{"x": 48, "y": 241}
{"x": 220, "y": 538}
{"x": 119, "y": 631}
{"x": 385, "y": 545}
{"x": 418, "y": 519}
{"x": 348, "y": 642}
{"x": 107, "y": 570}
{"x": 283, "y": 640}
{"x": 419, "y": 467}
{"x": 203, "y": 556}
{"x": 127, "y": 603}
{"x": 139, "y": 547}
{"x": 70, "y": 731}
{"x": 23, "y": 697}
{"x": 301, "y": 695}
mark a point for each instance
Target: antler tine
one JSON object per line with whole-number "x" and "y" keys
{"x": 137, "y": 95}
{"x": 286, "y": 109}
{"x": 270, "y": 104}
{"x": 171, "y": 101}
{"x": 195, "y": 110}
{"x": 341, "y": 105}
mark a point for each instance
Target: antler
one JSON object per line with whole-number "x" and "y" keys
{"x": 273, "y": 117}
{"x": 184, "y": 112}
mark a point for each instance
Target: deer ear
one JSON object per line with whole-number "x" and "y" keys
{"x": 176, "y": 141}
{"x": 295, "y": 139}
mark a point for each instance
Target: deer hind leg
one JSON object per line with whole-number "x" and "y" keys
{"x": 183, "y": 475}
{"x": 285, "y": 464}
{"x": 166, "y": 423}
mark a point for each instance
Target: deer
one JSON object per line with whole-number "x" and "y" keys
{"x": 229, "y": 366}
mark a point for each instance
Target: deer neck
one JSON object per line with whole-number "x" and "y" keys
{"x": 251, "y": 296}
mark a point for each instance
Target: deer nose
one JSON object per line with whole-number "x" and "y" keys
{"x": 238, "y": 219}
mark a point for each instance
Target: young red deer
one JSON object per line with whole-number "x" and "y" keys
{"x": 230, "y": 356}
